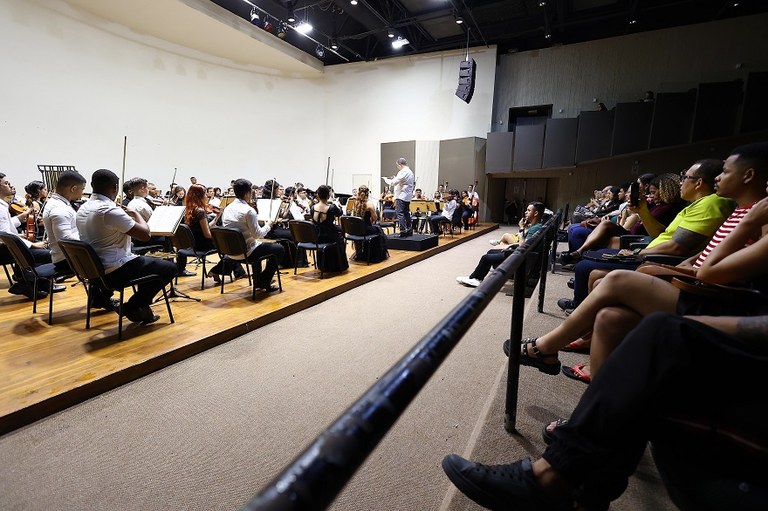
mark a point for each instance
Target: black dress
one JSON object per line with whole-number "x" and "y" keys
{"x": 334, "y": 258}
{"x": 377, "y": 246}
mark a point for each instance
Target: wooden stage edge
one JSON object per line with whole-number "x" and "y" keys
{"x": 21, "y": 406}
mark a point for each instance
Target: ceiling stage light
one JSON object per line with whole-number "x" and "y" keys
{"x": 320, "y": 51}
{"x": 303, "y": 28}
{"x": 399, "y": 42}
{"x": 255, "y": 18}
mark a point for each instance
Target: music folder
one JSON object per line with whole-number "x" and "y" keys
{"x": 165, "y": 220}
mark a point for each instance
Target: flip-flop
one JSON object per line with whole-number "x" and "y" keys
{"x": 547, "y": 434}
{"x": 576, "y": 372}
{"x": 577, "y": 346}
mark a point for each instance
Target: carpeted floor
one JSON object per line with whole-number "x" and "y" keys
{"x": 209, "y": 432}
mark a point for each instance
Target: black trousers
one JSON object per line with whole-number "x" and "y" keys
{"x": 139, "y": 267}
{"x": 40, "y": 255}
{"x": 667, "y": 366}
{"x": 491, "y": 259}
{"x": 403, "y": 212}
{"x": 264, "y": 278}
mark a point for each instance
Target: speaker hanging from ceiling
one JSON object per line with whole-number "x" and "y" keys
{"x": 467, "y": 70}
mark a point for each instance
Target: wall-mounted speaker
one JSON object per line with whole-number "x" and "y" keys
{"x": 467, "y": 69}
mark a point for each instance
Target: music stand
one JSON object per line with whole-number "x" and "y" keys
{"x": 165, "y": 221}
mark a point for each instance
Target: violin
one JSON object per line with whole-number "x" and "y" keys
{"x": 30, "y": 229}
{"x": 16, "y": 208}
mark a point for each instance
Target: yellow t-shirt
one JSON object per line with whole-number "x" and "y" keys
{"x": 703, "y": 216}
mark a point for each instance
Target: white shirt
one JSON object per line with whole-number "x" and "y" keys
{"x": 448, "y": 209}
{"x": 140, "y": 206}
{"x": 60, "y": 224}
{"x": 10, "y": 224}
{"x": 215, "y": 202}
{"x": 241, "y": 216}
{"x": 403, "y": 183}
{"x": 103, "y": 225}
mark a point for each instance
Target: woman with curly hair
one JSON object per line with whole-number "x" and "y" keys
{"x": 664, "y": 203}
{"x": 365, "y": 209}
{"x": 196, "y": 218}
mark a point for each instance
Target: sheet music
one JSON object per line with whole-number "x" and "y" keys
{"x": 165, "y": 220}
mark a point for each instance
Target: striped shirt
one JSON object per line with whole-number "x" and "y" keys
{"x": 730, "y": 223}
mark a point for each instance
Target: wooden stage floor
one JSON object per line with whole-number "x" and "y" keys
{"x": 47, "y": 368}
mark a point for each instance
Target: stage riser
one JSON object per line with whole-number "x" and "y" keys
{"x": 416, "y": 242}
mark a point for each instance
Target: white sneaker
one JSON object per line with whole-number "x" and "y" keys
{"x": 468, "y": 281}
{"x": 494, "y": 242}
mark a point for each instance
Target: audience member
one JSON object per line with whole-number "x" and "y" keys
{"x": 494, "y": 257}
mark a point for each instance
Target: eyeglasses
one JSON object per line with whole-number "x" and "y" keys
{"x": 684, "y": 176}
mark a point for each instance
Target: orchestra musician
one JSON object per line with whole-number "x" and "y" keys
{"x": 196, "y": 218}
{"x": 177, "y": 196}
{"x": 324, "y": 215}
{"x": 242, "y": 216}
{"x": 60, "y": 224}
{"x": 37, "y": 193}
{"x": 446, "y": 216}
{"x": 108, "y": 229}
{"x": 365, "y": 209}
{"x": 10, "y": 225}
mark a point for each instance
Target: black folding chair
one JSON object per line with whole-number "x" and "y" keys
{"x": 184, "y": 243}
{"x": 230, "y": 243}
{"x": 354, "y": 231}
{"x": 26, "y": 263}
{"x": 82, "y": 258}
{"x": 305, "y": 235}
{"x": 5, "y": 260}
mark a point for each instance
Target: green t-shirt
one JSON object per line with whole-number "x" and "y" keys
{"x": 533, "y": 230}
{"x": 703, "y": 216}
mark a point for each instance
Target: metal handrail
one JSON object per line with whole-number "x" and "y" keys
{"x": 317, "y": 475}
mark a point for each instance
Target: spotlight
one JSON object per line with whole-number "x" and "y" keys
{"x": 353, "y": 2}
{"x": 334, "y": 44}
{"x": 320, "y": 51}
{"x": 292, "y": 17}
{"x": 390, "y": 34}
{"x": 542, "y": 3}
{"x": 632, "y": 22}
{"x": 255, "y": 19}
{"x": 459, "y": 20}
{"x": 281, "y": 30}
{"x": 399, "y": 42}
{"x": 303, "y": 28}
{"x": 268, "y": 24}
{"x": 547, "y": 35}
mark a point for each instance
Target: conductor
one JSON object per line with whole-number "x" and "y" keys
{"x": 403, "y": 191}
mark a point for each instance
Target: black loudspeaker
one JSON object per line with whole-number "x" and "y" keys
{"x": 467, "y": 70}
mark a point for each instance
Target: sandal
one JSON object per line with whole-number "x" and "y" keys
{"x": 546, "y": 432}
{"x": 537, "y": 360}
{"x": 577, "y": 373}
{"x": 577, "y": 346}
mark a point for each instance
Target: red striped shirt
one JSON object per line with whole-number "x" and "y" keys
{"x": 730, "y": 223}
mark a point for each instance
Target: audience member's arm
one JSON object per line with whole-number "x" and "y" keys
{"x": 751, "y": 329}
{"x": 683, "y": 242}
{"x": 688, "y": 263}
{"x": 652, "y": 226}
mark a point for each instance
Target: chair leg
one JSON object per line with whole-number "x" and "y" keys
{"x": 279, "y": 282}
{"x": 89, "y": 294}
{"x": 202, "y": 280}
{"x": 120, "y": 317}
{"x": 8, "y": 275}
{"x": 52, "y": 282}
{"x": 34, "y": 297}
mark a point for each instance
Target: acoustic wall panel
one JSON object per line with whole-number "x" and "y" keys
{"x": 717, "y": 108}
{"x": 595, "y": 133}
{"x": 631, "y": 127}
{"x": 672, "y": 118}
{"x": 560, "y": 142}
{"x": 755, "y": 116}
{"x": 498, "y": 155}
{"x": 529, "y": 146}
